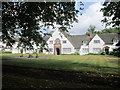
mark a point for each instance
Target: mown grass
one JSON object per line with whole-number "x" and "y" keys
{"x": 63, "y": 71}
{"x": 86, "y": 63}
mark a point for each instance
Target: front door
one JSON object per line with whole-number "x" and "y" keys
{"x": 57, "y": 51}
{"x": 57, "y": 47}
{"x": 107, "y": 50}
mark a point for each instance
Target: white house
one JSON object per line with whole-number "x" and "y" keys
{"x": 63, "y": 43}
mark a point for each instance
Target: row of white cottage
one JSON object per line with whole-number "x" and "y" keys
{"x": 63, "y": 43}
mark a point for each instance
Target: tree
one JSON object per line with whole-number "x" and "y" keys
{"x": 109, "y": 30}
{"x": 91, "y": 29}
{"x": 111, "y": 12}
{"x": 24, "y": 19}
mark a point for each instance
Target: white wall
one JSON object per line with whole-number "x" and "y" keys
{"x": 3, "y": 46}
{"x": 81, "y": 50}
{"x": 58, "y": 34}
{"x": 15, "y": 49}
{"x": 95, "y": 45}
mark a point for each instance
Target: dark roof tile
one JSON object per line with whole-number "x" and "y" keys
{"x": 109, "y": 37}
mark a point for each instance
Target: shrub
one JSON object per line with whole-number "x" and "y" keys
{"x": 76, "y": 53}
{"x": 63, "y": 54}
{"x": 72, "y": 54}
{"x": 103, "y": 53}
{"x": 6, "y": 52}
{"x": 111, "y": 53}
{"x": 92, "y": 54}
{"x": 115, "y": 53}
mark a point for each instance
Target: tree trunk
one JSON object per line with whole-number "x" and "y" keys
{"x": 30, "y": 56}
{"x": 36, "y": 55}
{"x": 21, "y": 55}
{"x": 21, "y": 51}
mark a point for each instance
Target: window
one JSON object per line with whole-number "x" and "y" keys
{"x": 64, "y": 41}
{"x": 50, "y": 42}
{"x": 96, "y": 41}
{"x": 96, "y": 50}
{"x": 51, "y": 49}
{"x": 115, "y": 41}
{"x": 57, "y": 41}
{"x": 85, "y": 49}
{"x": 66, "y": 49}
{"x": 84, "y": 42}
{"x": 77, "y": 50}
{"x": 0, "y": 46}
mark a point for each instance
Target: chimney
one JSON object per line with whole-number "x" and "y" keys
{"x": 90, "y": 34}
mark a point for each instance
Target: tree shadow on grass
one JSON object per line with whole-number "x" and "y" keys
{"x": 67, "y": 76}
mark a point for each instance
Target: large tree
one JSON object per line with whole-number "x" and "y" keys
{"x": 111, "y": 13}
{"x": 91, "y": 30}
{"x": 24, "y": 20}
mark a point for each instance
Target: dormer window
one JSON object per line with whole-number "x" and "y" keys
{"x": 115, "y": 41}
{"x": 84, "y": 42}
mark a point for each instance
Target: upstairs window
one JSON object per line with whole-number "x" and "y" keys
{"x": 96, "y": 41}
{"x": 84, "y": 42}
{"x": 115, "y": 41}
{"x": 50, "y": 42}
{"x": 57, "y": 41}
{"x": 64, "y": 41}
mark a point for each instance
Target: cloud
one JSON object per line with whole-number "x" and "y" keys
{"x": 92, "y": 16}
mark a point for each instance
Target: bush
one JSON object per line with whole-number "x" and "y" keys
{"x": 111, "y": 53}
{"x": 72, "y": 54}
{"x": 76, "y": 53}
{"x": 115, "y": 53}
{"x": 6, "y": 52}
{"x": 103, "y": 53}
{"x": 92, "y": 54}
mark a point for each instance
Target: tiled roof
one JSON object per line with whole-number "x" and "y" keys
{"x": 77, "y": 40}
{"x": 109, "y": 37}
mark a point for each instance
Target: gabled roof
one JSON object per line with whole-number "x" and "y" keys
{"x": 48, "y": 36}
{"x": 109, "y": 37}
{"x": 77, "y": 40}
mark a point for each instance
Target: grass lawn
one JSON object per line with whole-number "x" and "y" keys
{"x": 87, "y": 63}
{"x": 69, "y": 71}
